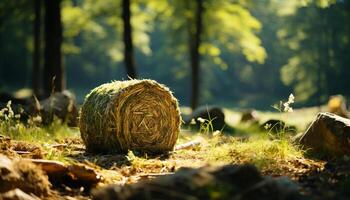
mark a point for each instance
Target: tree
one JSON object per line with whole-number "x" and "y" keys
{"x": 54, "y": 76}
{"x": 194, "y": 44}
{"x": 36, "y": 46}
{"x": 315, "y": 35}
{"x": 128, "y": 44}
{"x": 215, "y": 26}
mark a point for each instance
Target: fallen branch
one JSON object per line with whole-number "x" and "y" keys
{"x": 188, "y": 145}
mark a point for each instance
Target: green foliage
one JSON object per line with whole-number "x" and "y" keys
{"x": 255, "y": 51}
{"x": 316, "y": 49}
{"x": 32, "y": 131}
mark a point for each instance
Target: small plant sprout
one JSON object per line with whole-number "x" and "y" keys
{"x": 282, "y": 107}
{"x": 206, "y": 125}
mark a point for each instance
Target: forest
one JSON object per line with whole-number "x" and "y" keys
{"x": 255, "y": 51}
{"x": 174, "y": 99}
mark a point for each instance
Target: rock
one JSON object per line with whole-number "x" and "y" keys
{"x": 328, "y": 135}
{"x": 283, "y": 189}
{"x": 85, "y": 175}
{"x": 210, "y": 113}
{"x": 73, "y": 175}
{"x": 62, "y": 105}
{"x": 227, "y": 182}
{"x": 277, "y": 126}
{"x": 51, "y": 167}
{"x": 5, "y": 97}
{"x": 337, "y": 105}
{"x": 23, "y": 175}
{"x": 17, "y": 194}
{"x": 249, "y": 116}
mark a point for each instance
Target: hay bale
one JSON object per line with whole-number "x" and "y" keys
{"x": 138, "y": 115}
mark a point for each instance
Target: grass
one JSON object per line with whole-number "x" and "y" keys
{"x": 249, "y": 144}
{"x": 37, "y": 134}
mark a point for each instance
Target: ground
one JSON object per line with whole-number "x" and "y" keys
{"x": 274, "y": 156}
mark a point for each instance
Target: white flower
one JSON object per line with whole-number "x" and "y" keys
{"x": 286, "y": 105}
{"x": 8, "y": 105}
{"x": 2, "y": 111}
{"x": 267, "y": 126}
{"x": 201, "y": 120}
{"x": 193, "y": 121}
{"x": 37, "y": 119}
{"x": 291, "y": 99}
{"x": 217, "y": 133}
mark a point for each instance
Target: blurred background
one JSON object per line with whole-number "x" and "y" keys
{"x": 232, "y": 53}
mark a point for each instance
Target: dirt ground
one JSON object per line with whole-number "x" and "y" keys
{"x": 317, "y": 179}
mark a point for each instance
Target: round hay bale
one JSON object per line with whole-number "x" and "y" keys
{"x": 138, "y": 115}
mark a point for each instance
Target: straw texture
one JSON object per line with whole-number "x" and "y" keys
{"x": 130, "y": 115}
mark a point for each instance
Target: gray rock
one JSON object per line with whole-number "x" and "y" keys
{"x": 211, "y": 113}
{"x": 61, "y": 105}
{"x": 277, "y": 126}
{"x": 272, "y": 189}
{"x": 328, "y": 135}
{"x": 227, "y": 182}
{"x": 250, "y": 116}
{"x": 23, "y": 175}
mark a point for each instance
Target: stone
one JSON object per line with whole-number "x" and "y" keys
{"x": 211, "y": 113}
{"x": 23, "y": 175}
{"x": 74, "y": 175}
{"x": 282, "y": 187}
{"x": 250, "y": 116}
{"x": 328, "y": 135}
{"x": 61, "y": 105}
{"x": 277, "y": 126}
{"x": 208, "y": 182}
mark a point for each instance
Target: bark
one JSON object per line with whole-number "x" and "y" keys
{"x": 195, "y": 41}
{"x": 54, "y": 78}
{"x": 128, "y": 44}
{"x": 37, "y": 44}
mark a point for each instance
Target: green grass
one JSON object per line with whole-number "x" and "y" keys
{"x": 260, "y": 151}
{"x": 249, "y": 145}
{"x": 35, "y": 134}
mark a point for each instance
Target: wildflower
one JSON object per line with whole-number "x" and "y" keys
{"x": 216, "y": 133}
{"x": 286, "y": 105}
{"x": 10, "y": 111}
{"x": 17, "y": 116}
{"x": 37, "y": 119}
{"x": 267, "y": 126}
{"x": 291, "y": 98}
{"x": 201, "y": 120}
{"x": 193, "y": 122}
{"x": 2, "y": 112}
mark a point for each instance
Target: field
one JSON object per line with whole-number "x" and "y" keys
{"x": 273, "y": 156}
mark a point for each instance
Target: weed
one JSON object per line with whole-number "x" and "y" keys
{"x": 282, "y": 107}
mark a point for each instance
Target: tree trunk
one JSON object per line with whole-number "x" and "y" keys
{"x": 128, "y": 45}
{"x": 195, "y": 41}
{"x": 36, "y": 44}
{"x": 54, "y": 79}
